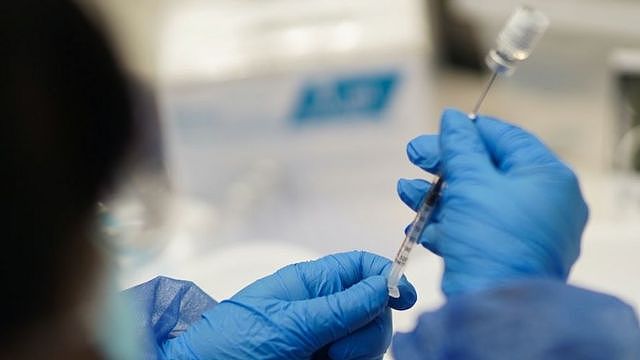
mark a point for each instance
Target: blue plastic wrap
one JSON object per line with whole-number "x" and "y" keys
{"x": 164, "y": 308}
{"x": 527, "y": 320}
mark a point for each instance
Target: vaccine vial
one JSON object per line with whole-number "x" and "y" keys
{"x": 517, "y": 39}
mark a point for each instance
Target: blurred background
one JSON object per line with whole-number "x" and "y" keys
{"x": 275, "y": 131}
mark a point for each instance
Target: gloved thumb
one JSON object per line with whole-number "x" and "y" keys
{"x": 332, "y": 317}
{"x": 462, "y": 149}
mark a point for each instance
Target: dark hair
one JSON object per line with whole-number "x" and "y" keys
{"x": 65, "y": 122}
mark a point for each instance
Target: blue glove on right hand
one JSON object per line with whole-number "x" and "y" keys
{"x": 510, "y": 208}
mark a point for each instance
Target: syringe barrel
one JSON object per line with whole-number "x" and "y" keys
{"x": 393, "y": 279}
{"x": 517, "y": 39}
{"x": 423, "y": 216}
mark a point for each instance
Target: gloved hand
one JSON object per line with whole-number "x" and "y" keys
{"x": 334, "y": 307}
{"x": 510, "y": 208}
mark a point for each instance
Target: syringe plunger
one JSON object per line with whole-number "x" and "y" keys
{"x": 517, "y": 39}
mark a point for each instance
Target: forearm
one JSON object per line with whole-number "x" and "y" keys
{"x": 530, "y": 319}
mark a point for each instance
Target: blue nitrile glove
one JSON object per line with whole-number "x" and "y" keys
{"x": 335, "y": 307}
{"x": 510, "y": 209}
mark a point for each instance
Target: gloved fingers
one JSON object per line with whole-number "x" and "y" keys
{"x": 412, "y": 192}
{"x": 369, "y": 342}
{"x": 428, "y": 243}
{"x": 334, "y": 273}
{"x": 408, "y": 295}
{"x": 424, "y": 152}
{"x": 329, "y": 318}
{"x": 430, "y": 238}
{"x": 512, "y": 147}
{"x": 324, "y": 276}
{"x": 463, "y": 153}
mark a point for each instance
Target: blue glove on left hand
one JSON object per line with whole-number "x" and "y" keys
{"x": 336, "y": 306}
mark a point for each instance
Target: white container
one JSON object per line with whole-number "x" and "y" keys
{"x": 270, "y": 108}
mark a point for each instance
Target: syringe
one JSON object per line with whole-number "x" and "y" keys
{"x": 514, "y": 44}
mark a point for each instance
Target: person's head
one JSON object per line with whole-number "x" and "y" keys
{"x": 65, "y": 122}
